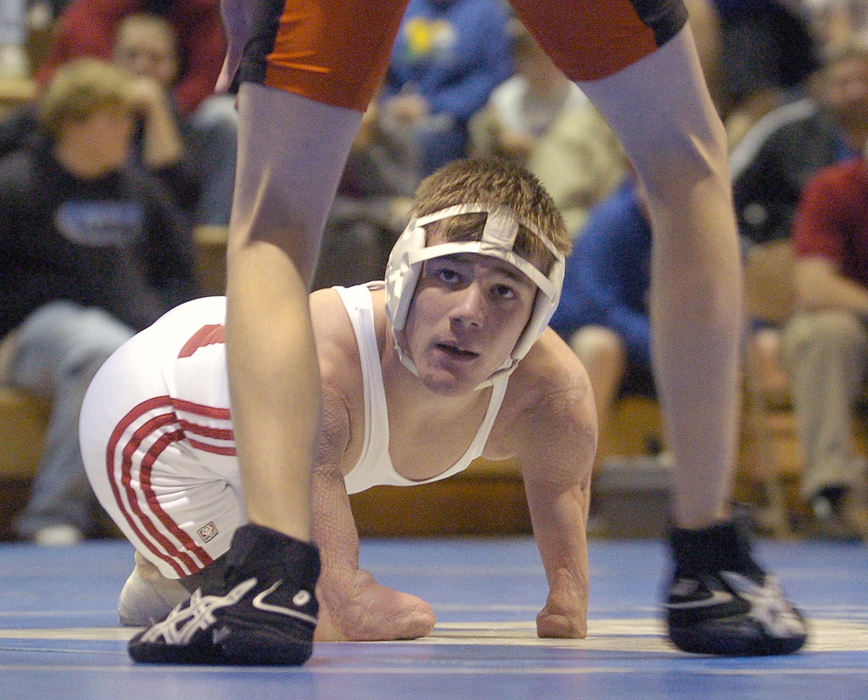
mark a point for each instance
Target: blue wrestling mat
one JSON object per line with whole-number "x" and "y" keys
{"x": 59, "y": 636}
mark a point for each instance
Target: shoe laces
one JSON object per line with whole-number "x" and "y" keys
{"x": 196, "y": 614}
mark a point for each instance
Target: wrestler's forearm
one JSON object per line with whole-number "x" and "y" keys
{"x": 559, "y": 528}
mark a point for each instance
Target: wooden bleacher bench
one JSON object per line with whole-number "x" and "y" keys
{"x": 487, "y": 499}
{"x": 15, "y": 92}
{"x": 23, "y": 420}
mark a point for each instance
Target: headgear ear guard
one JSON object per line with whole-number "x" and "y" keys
{"x": 498, "y": 238}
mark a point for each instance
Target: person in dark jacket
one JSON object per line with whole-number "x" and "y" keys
{"x": 91, "y": 252}
{"x": 775, "y": 159}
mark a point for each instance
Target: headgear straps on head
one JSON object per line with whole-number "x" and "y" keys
{"x": 498, "y": 239}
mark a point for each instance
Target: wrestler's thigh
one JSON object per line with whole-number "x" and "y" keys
{"x": 591, "y": 39}
{"x": 334, "y": 52}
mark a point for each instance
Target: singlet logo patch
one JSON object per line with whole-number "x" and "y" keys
{"x": 208, "y": 531}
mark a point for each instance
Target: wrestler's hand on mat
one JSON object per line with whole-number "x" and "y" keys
{"x": 237, "y": 22}
{"x": 565, "y": 611}
{"x": 354, "y": 607}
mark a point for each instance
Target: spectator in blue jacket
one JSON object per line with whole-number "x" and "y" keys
{"x": 603, "y": 312}
{"x": 448, "y": 57}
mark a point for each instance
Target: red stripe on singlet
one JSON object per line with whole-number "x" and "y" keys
{"x": 206, "y": 430}
{"x": 211, "y": 334}
{"x": 151, "y": 497}
{"x": 159, "y": 421}
{"x": 212, "y": 449}
{"x": 201, "y": 410}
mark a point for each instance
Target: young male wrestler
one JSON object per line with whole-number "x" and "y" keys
{"x": 453, "y": 351}
{"x": 307, "y": 71}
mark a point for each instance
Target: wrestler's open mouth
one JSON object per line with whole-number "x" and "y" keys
{"x": 457, "y": 352}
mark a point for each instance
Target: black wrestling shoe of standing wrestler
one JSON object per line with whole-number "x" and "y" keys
{"x": 721, "y": 602}
{"x": 264, "y": 614}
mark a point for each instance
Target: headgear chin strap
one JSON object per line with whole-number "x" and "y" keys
{"x": 498, "y": 238}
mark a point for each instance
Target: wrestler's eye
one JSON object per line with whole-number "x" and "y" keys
{"x": 503, "y": 291}
{"x": 448, "y": 275}
{"x": 445, "y": 272}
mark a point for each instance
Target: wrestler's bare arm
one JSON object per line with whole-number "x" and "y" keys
{"x": 334, "y": 529}
{"x": 353, "y": 606}
{"x": 554, "y": 440}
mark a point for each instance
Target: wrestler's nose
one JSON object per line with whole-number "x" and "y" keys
{"x": 469, "y": 310}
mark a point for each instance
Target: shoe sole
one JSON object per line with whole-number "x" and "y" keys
{"x": 240, "y": 645}
{"x": 734, "y": 637}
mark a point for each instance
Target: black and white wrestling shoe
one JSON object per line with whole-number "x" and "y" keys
{"x": 264, "y": 613}
{"x": 721, "y": 602}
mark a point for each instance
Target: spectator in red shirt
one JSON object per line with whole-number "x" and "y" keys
{"x": 826, "y": 341}
{"x": 88, "y": 28}
{"x": 93, "y": 28}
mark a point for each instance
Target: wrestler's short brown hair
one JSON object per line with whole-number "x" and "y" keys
{"x": 494, "y": 182}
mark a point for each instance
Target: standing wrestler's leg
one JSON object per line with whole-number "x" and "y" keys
{"x": 284, "y": 189}
{"x": 656, "y": 101}
{"x": 664, "y": 117}
{"x": 661, "y": 111}
{"x": 650, "y": 88}
{"x": 308, "y": 70}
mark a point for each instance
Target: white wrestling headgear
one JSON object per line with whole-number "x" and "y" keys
{"x": 498, "y": 238}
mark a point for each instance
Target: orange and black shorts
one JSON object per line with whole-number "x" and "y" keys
{"x": 337, "y": 51}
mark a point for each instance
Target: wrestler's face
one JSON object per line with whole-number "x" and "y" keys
{"x": 467, "y": 314}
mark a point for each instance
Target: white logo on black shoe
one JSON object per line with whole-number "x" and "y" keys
{"x": 260, "y": 604}
{"x": 715, "y": 597}
{"x": 767, "y": 605}
{"x": 197, "y": 614}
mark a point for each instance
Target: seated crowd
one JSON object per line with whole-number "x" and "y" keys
{"x": 125, "y": 151}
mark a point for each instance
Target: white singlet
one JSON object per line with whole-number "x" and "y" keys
{"x": 157, "y": 440}
{"x": 375, "y": 466}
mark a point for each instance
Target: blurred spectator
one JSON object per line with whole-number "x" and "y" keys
{"x": 775, "y": 159}
{"x": 447, "y": 58}
{"x": 603, "y": 313}
{"x": 372, "y": 203}
{"x": 92, "y": 251}
{"x": 89, "y": 27}
{"x": 767, "y": 52}
{"x": 194, "y": 156}
{"x": 145, "y": 45}
{"x": 705, "y": 25}
{"x": 826, "y": 341}
{"x": 14, "y": 61}
{"x": 837, "y": 22}
{"x": 540, "y": 119}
